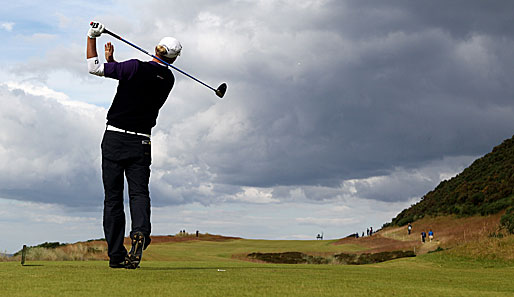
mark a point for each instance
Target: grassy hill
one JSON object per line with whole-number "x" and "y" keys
{"x": 486, "y": 187}
{"x": 475, "y": 237}
{"x": 193, "y": 266}
{"x": 468, "y": 263}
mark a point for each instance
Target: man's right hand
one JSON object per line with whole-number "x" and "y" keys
{"x": 109, "y": 52}
{"x": 96, "y": 30}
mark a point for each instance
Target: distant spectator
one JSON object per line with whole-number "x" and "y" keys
{"x": 367, "y": 232}
{"x": 409, "y": 228}
{"x": 370, "y": 231}
{"x": 356, "y": 234}
{"x": 197, "y": 233}
{"x": 430, "y": 235}
{"x": 318, "y": 237}
{"x": 362, "y": 233}
{"x": 423, "y": 236}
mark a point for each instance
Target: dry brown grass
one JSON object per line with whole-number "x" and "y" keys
{"x": 461, "y": 236}
{"x": 97, "y": 249}
{"x": 379, "y": 243}
{"x": 72, "y": 252}
{"x": 451, "y": 231}
{"x": 188, "y": 237}
{"x": 4, "y": 258}
{"x": 490, "y": 248}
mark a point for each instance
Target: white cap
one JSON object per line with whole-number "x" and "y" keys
{"x": 172, "y": 45}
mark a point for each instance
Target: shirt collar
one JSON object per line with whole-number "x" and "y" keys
{"x": 160, "y": 63}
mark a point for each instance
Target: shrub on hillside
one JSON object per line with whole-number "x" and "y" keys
{"x": 404, "y": 221}
{"x": 50, "y": 245}
{"x": 485, "y": 187}
{"x": 507, "y": 220}
{"x": 468, "y": 209}
{"x": 496, "y": 206}
{"x": 45, "y": 245}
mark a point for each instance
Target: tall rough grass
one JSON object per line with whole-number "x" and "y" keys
{"x": 74, "y": 252}
{"x": 4, "y": 258}
{"x": 487, "y": 248}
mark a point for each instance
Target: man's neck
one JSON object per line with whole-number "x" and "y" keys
{"x": 158, "y": 62}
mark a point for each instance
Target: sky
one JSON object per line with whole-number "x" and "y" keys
{"x": 338, "y": 114}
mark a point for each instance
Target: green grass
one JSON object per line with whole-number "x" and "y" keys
{"x": 223, "y": 251}
{"x": 191, "y": 269}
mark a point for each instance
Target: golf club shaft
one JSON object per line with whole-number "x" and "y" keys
{"x": 153, "y": 56}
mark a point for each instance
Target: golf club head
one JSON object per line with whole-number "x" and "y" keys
{"x": 221, "y": 90}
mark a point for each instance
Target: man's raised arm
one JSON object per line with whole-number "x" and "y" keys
{"x": 93, "y": 64}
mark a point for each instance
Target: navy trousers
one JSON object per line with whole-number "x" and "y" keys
{"x": 125, "y": 155}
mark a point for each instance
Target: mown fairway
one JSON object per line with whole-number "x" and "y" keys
{"x": 200, "y": 268}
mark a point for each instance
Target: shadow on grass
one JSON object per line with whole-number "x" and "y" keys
{"x": 32, "y": 265}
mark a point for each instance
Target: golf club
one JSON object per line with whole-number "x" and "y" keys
{"x": 220, "y": 91}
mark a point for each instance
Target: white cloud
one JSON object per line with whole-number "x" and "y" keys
{"x": 63, "y": 219}
{"x": 36, "y": 90}
{"x": 324, "y": 222}
{"x": 49, "y": 146}
{"x": 255, "y": 195}
{"x": 301, "y": 237}
{"x": 405, "y": 184}
{"x": 7, "y": 26}
{"x": 33, "y": 223}
{"x": 41, "y": 37}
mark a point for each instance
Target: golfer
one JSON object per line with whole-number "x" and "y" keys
{"x": 126, "y": 148}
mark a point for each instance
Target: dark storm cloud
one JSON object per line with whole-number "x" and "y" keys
{"x": 325, "y": 98}
{"x": 356, "y": 90}
{"x": 460, "y": 18}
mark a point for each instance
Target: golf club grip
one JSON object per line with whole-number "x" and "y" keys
{"x": 112, "y": 34}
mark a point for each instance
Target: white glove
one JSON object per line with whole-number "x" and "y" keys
{"x": 96, "y": 30}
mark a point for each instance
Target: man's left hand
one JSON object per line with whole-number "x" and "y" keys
{"x": 96, "y": 30}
